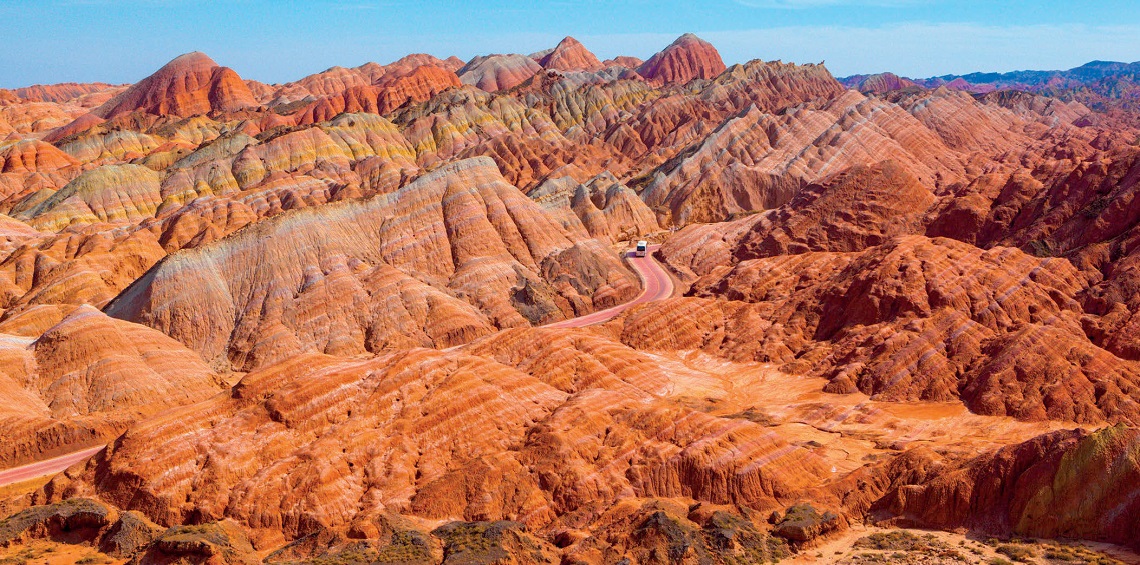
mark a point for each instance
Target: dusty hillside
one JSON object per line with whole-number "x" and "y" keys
{"x": 305, "y": 318}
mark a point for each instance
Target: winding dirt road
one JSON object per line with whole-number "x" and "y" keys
{"x": 656, "y": 285}
{"x": 45, "y": 467}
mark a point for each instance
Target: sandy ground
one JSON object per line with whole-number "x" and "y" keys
{"x": 23, "y": 487}
{"x": 847, "y": 429}
{"x": 51, "y": 553}
{"x": 952, "y": 547}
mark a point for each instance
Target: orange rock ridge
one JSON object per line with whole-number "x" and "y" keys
{"x": 888, "y": 303}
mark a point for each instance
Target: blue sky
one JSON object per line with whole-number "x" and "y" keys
{"x": 50, "y": 41}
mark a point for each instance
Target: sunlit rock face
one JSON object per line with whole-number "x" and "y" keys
{"x": 464, "y": 251}
{"x": 86, "y": 379}
{"x": 304, "y": 318}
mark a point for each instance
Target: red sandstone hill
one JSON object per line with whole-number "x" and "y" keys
{"x": 1070, "y": 484}
{"x": 392, "y": 91}
{"x": 570, "y": 55}
{"x": 86, "y": 379}
{"x": 553, "y": 435}
{"x": 498, "y": 72}
{"x": 916, "y": 307}
{"x": 880, "y": 83}
{"x": 68, "y": 92}
{"x": 189, "y": 85}
{"x": 687, "y": 58}
{"x": 487, "y": 257}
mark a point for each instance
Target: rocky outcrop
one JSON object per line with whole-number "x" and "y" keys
{"x": 189, "y": 85}
{"x": 86, "y": 379}
{"x": 1071, "y": 484}
{"x": 570, "y": 55}
{"x": 77, "y": 520}
{"x": 485, "y": 256}
{"x": 498, "y": 72}
{"x": 685, "y": 59}
{"x": 128, "y": 535}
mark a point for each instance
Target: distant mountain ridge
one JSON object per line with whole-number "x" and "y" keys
{"x": 1091, "y": 71}
{"x": 1108, "y": 87}
{"x": 1106, "y": 74}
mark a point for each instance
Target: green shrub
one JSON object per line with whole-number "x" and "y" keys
{"x": 1017, "y": 553}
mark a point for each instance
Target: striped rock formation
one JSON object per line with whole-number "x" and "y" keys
{"x": 570, "y": 55}
{"x": 68, "y": 92}
{"x": 86, "y": 379}
{"x": 911, "y": 319}
{"x": 1068, "y": 484}
{"x": 190, "y": 84}
{"x": 487, "y": 433}
{"x": 498, "y": 72}
{"x": 29, "y": 165}
{"x": 602, "y": 208}
{"x": 685, "y": 59}
{"x": 112, "y": 193}
{"x": 879, "y": 83}
{"x": 393, "y": 92}
{"x": 889, "y": 299}
{"x": 484, "y": 256}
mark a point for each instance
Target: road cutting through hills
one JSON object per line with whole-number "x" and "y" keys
{"x": 45, "y": 467}
{"x": 656, "y": 285}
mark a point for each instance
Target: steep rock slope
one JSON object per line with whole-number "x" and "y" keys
{"x": 86, "y": 379}
{"x": 498, "y": 72}
{"x": 571, "y": 55}
{"x": 190, "y": 84}
{"x": 1071, "y": 484}
{"x": 464, "y": 436}
{"x": 685, "y": 59}
{"x": 483, "y": 256}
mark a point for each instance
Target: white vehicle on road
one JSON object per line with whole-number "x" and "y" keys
{"x": 642, "y": 247}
